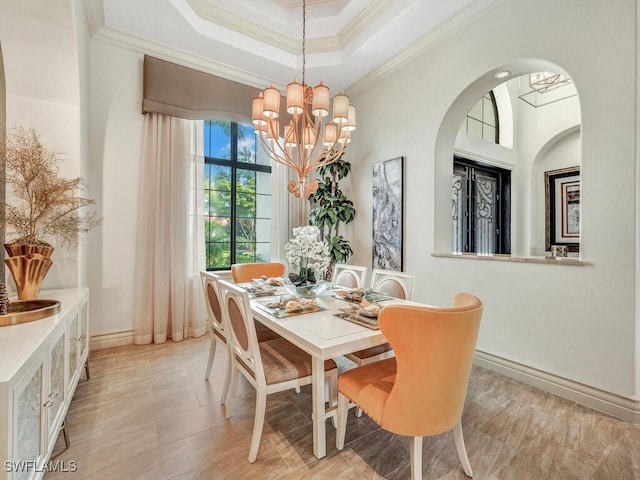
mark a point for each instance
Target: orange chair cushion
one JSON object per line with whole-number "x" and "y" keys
{"x": 369, "y": 386}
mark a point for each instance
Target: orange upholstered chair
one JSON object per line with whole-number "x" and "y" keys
{"x": 421, "y": 391}
{"x": 397, "y": 285}
{"x": 245, "y": 272}
{"x": 271, "y": 366}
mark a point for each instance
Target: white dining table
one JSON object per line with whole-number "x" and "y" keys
{"x": 323, "y": 336}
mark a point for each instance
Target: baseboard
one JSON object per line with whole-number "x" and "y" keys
{"x": 624, "y": 408}
{"x": 115, "y": 339}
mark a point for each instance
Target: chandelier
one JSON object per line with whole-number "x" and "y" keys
{"x": 310, "y": 140}
{"x": 543, "y": 82}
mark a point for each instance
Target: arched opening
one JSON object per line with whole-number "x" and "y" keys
{"x": 537, "y": 134}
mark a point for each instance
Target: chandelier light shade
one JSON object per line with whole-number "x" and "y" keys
{"x": 315, "y": 131}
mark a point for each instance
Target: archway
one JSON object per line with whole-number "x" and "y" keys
{"x": 519, "y": 158}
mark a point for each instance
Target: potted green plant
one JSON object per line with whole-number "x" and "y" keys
{"x": 331, "y": 210}
{"x": 42, "y": 204}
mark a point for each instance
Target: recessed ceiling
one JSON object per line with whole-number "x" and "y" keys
{"x": 262, "y": 39}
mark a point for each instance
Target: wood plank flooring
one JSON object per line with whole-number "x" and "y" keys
{"x": 148, "y": 413}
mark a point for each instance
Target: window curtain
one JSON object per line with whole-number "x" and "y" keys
{"x": 169, "y": 303}
{"x": 294, "y": 211}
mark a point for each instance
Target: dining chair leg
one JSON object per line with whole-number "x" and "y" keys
{"x": 258, "y": 423}
{"x": 233, "y": 386}
{"x": 227, "y": 378}
{"x": 341, "y": 428}
{"x": 461, "y": 449}
{"x": 212, "y": 352}
{"x": 416, "y": 458}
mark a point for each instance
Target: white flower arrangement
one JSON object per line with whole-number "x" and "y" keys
{"x": 309, "y": 255}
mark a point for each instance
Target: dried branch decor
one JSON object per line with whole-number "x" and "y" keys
{"x": 44, "y": 204}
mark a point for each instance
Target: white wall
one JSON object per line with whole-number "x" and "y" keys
{"x": 115, "y": 150}
{"x": 574, "y": 322}
{"x": 41, "y": 69}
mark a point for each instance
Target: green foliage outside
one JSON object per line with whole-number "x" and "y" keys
{"x": 331, "y": 209}
{"x": 217, "y": 205}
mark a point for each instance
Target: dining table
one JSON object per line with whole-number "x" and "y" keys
{"x": 323, "y": 335}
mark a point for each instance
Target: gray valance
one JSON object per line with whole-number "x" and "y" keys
{"x": 186, "y": 93}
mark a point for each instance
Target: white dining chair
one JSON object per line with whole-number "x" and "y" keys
{"x": 214, "y": 320}
{"x": 397, "y": 285}
{"x": 350, "y": 276}
{"x": 217, "y": 324}
{"x": 270, "y": 367}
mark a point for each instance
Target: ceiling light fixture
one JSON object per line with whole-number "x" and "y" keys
{"x": 542, "y": 82}
{"x": 309, "y": 141}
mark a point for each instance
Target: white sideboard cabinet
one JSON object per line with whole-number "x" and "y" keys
{"x": 41, "y": 363}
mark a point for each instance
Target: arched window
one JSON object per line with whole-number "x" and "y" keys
{"x": 482, "y": 120}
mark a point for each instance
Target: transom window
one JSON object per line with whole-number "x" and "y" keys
{"x": 482, "y": 119}
{"x": 237, "y": 196}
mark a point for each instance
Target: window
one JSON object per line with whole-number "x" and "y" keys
{"x": 237, "y": 196}
{"x": 482, "y": 119}
{"x": 481, "y": 208}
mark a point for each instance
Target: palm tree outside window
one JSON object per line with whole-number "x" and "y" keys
{"x": 237, "y": 196}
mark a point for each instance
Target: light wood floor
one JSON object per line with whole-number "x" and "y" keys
{"x": 147, "y": 413}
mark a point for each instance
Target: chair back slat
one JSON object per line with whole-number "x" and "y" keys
{"x": 434, "y": 350}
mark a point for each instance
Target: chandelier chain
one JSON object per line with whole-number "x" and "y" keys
{"x": 309, "y": 141}
{"x": 304, "y": 37}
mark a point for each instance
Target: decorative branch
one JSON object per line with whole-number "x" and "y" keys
{"x": 44, "y": 203}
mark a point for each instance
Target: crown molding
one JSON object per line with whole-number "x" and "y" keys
{"x": 95, "y": 15}
{"x": 289, "y": 4}
{"x": 463, "y": 18}
{"x": 361, "y": 22}
{"x": 240, "y": 24}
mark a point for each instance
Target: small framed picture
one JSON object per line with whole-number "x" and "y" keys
{"x": 562, "y": 213}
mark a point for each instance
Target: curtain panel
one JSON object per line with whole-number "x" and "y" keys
{"x": 169, "y": 303}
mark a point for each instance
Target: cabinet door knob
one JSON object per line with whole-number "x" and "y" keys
{"x": 53, "y": 394}
{"x": 48, "y": 404}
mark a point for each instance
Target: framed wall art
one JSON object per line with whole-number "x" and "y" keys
{"x": 562, "y": 212}
{"x": 388, "y": 186}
